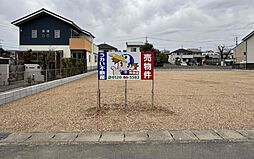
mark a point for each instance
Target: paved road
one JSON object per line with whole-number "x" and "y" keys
{"x": 212, "y": 150}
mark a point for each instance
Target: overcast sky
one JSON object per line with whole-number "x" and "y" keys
{"x": 169, "y": 24}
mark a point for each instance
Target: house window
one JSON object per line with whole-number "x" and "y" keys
{"x": 43, "y": 35}
{"x": 57, "y": 34}
{"x": 134, "y": 49}
{"x": 95, "y": 58}
{"x": 244, "y": 53}
{"x": 47, "y": 35}
{"x": 89, "y": 58}
{"x": 34, "y": 34}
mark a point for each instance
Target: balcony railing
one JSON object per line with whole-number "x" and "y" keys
{"x": 80, "y": 43}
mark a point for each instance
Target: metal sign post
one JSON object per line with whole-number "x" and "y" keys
{"x": 98, "y": 96}
{"x": 125, "y": 98}
{"x": 153, "y": 93}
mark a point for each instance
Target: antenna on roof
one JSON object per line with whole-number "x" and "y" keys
{"x": 146, "y": 40}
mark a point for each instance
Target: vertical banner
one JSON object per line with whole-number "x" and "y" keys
{"x": 147, "y": 66}
{"x": 102, "y": 66}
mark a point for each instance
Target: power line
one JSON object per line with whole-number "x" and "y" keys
{"x": 8, "y": 27}
{"x": 7, "y": 30}
{"x": 188, "y": 41}
{"x": 7, "y": 46}
{"x": 120, "y": 40}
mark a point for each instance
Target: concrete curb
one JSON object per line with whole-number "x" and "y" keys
{"x": 24, "y": 92}
{"x": 118, "y": 137}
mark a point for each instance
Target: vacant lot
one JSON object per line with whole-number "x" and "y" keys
{"x": 183, "y": 100}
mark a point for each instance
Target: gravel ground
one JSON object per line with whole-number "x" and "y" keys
{"x": 183, "y": 100}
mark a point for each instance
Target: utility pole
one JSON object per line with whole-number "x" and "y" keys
{"x": 146, "y": 40}
{"x": 236, "y": 40}
{"x": 1, "y": 46}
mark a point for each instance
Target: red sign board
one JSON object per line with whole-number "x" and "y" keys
{"x": 147, "y": 66}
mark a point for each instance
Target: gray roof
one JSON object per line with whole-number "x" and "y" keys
{"x": 182, "y": 51}
{"x": 248, "y": 36}
{"x": 105, "y": 46}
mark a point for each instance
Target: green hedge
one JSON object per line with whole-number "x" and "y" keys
{"x": 71, "y": 67}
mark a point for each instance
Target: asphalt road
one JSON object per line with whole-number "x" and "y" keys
{"x": 239, "y": 150}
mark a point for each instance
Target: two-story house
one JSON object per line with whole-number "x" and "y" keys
{"x": 134, "y": 46}
{"x": 107, "y": 48}
{"x": 44, "y": 30}
{"x": 189, "y": 56}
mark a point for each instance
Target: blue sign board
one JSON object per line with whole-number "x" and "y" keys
{"x": 102, "y": 66}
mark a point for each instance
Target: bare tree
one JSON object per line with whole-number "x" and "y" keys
{"x": 224, "y": 53}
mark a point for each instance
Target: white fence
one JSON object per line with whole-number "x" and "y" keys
{"x": 23, "y": 92}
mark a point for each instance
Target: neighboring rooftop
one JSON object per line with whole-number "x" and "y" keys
{"x": 195, "y": 50}
{"x": 134, "y": 43}
{"x": 105, "y": 46}
{"x": 42, "y": 11}
{"x": 182, "y": 51}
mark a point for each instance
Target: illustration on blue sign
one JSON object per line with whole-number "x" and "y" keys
{"x": 119, "y": 66}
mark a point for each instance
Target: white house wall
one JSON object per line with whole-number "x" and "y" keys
{"x": 4, "y": 74}
{"x": 130, "y": 47}
{"x": 64, "y": 48}
{"x": 171, "y": 59}
{"x": 91, "y": 64}
{"x": 250, "y": 50}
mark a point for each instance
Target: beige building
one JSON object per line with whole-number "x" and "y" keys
{"x": 240, "y": 53}
{"x": 244, "y": 52}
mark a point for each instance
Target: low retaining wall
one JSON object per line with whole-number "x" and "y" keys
{"x": 23, "y": 92}
{"x": 205, "y": 67}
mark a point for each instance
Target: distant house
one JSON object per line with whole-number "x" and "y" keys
{"x": 211, "y": 57}
{"x": 189, "y": 56}
{"x": 244, "y": 52}
{"x": 44, "y": 31}
{"x": 107, "y": 48}
{"x": 134, "y": 46}
{"x": 211, "y": 54}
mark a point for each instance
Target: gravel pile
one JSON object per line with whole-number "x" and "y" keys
{"x": 183, "y": 100}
